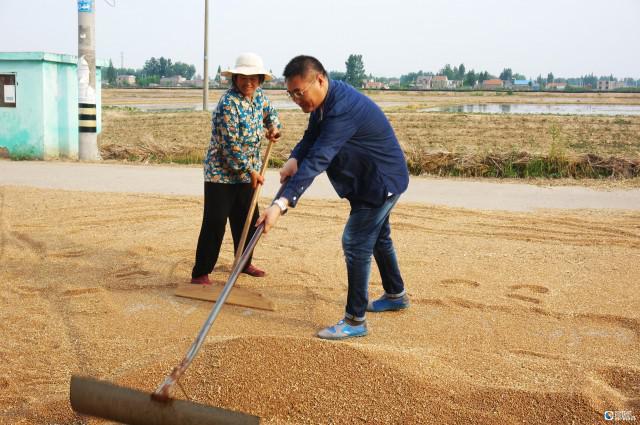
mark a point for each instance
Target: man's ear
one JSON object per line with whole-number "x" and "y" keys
{"x": 322, "y": 79}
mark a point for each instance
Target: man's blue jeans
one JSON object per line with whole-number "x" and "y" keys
{"x": 368, "y": 232}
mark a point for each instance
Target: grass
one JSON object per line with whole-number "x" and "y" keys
{"x": 524, "y": 165}
{"x": 474, "y": 145}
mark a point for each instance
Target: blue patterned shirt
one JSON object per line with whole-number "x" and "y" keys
{"x": 237, "y": 127}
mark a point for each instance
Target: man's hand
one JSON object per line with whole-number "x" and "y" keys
{"x": 256, "y": 179}
{"x": 288, "y": 169}
{"x": 270, "y": 217}
{"x": 273, "y": 134}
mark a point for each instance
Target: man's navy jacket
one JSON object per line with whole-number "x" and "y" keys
{"x": 351, "y": 139}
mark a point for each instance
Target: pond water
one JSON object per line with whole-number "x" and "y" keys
{"x": 524, "y": 108}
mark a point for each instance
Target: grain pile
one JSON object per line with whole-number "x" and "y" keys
{"x": 515, "y": 317}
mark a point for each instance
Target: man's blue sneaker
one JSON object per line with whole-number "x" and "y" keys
{"x": 386, "y": 303}
{"x": 343, "y": 330}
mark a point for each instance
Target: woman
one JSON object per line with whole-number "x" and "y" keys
{"x": 232, "y": 165}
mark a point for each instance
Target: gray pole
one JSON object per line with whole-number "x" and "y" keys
{"x": 87, "y": 140}
{"x": 205, "y": 81}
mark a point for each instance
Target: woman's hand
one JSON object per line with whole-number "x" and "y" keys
{"x": 273, "y": 134}
{"x": 256, "y": 179}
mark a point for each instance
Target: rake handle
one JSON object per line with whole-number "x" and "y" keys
{"x": 162, "y": 392}
{"x": 252, "y": 208}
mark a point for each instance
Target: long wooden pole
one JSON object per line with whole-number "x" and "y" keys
{"x": 252, "y": 208}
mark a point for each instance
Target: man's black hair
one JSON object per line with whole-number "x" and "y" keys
{"x": 301, "y": 65}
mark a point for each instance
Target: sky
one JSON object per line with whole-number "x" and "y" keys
{"x": 566, "y": 37}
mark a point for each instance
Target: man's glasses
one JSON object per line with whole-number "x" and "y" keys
{"x": 298, "y": 94}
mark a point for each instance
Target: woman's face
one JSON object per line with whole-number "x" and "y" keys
{"x": 247, "y": 84}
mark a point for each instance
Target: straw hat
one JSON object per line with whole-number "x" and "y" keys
{"x": 248, "y": 64}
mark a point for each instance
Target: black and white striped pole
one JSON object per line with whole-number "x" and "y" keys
{"x": 87, "y": 118}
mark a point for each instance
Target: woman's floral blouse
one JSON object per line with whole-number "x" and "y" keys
{"x": 238, "y": 125}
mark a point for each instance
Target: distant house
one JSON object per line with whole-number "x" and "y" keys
{"x": 423, "y": 82}
{"x": 555, "y": 86}
{"x": 126, "y": 80}
{"x": 219, "y": 81}
{"x": 191, "y": 83}
{"x": 606, "y": 85}
{"x": 492, "y": 84}
{"x": 195, "y": 82}
{"x": 174, "y": 81}
{"x": 275, "y": 83}
{"x": 521, "y": 85}
{"x": 394, "y": 82}
{"x": 376, "y": 85}
{"x": 440, "y": 82}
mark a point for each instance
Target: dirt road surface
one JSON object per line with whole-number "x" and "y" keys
{"x": 182, "y": 180}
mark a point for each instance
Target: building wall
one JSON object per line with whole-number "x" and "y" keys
{"x": 610, "y": 85}
{"x": 492, "y": 84}
{"x": 439, "y": 85}
{"x": 21, "y": 128}
{"x": 44, "y": 123}
{"x": 521, "y": 87}
{"x": 60, "y": 110}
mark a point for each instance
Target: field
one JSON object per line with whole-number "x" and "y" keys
{"x": 478, "y": 145}
{"x": 515, "y": 317}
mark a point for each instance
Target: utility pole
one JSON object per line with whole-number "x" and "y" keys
{"x": 87, "y": 140}
{"x": 205, "y": 81}
{"x": 121, "y": 60}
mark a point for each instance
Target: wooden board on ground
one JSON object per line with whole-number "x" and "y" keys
{"x": 238, "y": 296}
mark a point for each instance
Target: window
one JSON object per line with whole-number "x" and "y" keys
{"x": 8, "y": 90}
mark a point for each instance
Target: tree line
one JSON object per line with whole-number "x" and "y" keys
{"x": 356, "y": 75}
{"x": 153, "y": 70}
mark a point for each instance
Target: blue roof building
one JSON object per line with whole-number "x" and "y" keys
{"x": 522, "y": 84}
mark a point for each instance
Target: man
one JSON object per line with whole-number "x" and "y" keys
{"x": 350, "y": 138}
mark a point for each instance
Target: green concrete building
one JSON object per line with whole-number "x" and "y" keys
{"x": 39, "y": 105}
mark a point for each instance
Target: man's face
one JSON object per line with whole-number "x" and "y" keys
{"x": 307, "y": 92}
